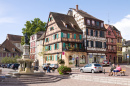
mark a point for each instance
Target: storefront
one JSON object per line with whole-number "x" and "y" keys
{"x": 96, "y": 57}
{"x": 75, "y": 59}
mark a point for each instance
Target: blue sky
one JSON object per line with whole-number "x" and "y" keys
{"x": 15, "y": 13}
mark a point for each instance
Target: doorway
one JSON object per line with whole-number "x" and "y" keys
{"x": 114, "y": 60}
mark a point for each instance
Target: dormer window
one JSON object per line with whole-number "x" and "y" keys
{"x": 97, "y": 23}
{"x": 52, "y": 28}
{"x": 3, "y": 48}
{"x": 66, "y": 25}
{"x": 101, "y": 24}
{"x": 88, "y": 22}
{"x": 50, "y": 19}
{"x": 13, "y": 49}
{"x": 93, "y": 22}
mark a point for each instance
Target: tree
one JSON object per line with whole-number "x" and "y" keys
{"x": 32, "y": 27}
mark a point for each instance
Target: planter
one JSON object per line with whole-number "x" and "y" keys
{"x": 61, "y": 64}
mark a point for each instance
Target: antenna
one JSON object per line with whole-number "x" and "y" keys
{"x": 108, "y": 19}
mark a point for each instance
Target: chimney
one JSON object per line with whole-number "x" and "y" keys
{"x": 76, "y": 7}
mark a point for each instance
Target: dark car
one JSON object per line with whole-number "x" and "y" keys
{"x": 14, "y": 66}
{"x": 8, "y": 65}
{"x": 36, "y": 68}
{"x": 3, "y": 65}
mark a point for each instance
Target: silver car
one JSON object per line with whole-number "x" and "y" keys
{"x": 93, "y": 67}
{"x": 54, "y": 65}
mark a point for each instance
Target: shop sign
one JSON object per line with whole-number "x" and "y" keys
{"x": 90, "y": 56}
{"x": 102, "y": 56}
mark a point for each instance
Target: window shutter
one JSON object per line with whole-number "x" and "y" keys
{"x": 80, "y": 46}
{"x": 74, "y": 36}
{"x": 68, "y": 36}
{"x": 52, "y": 58}
{"x": 52, "y": 28}
{"x": 49, "y": 19}
{"x": 60, "y": 56}
{"x": 45, "y": 39}
{"x": 57, "y": 45}
{"x": 56, "y": 57}
{"x": 47, "y": 58}
{"x": 45, "y": 48}
{"x": 64, "y": 45}
{"x": 80, "y": 36}
{"x": 54, "y": 37}
{"x": 54, "y": 47}
{"x": 69, "y": 44}
{"x": 61, "y": 34}
{"x": 57, "y": 36}
{"x": 75, "y": 45}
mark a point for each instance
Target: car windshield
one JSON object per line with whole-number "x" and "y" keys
{"x": 97, "y": 65}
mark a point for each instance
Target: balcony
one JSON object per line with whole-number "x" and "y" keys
{"x": 71, "y": 40}
{"x": 73, "y": 49}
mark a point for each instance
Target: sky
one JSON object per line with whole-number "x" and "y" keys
{"x": 15, "y": 13}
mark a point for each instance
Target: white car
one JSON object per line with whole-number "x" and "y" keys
{"x": 54, "y": 65}
{"x": 93, "y": 67}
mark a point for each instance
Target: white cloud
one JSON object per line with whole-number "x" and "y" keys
{"x": 124, "y": 26}
{"x": 7, "y": 20}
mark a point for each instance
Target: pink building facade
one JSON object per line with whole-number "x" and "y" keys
{"x": 111, "y": 45}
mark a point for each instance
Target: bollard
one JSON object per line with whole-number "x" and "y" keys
{"x": 104, "y": 71}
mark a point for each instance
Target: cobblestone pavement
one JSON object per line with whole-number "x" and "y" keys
{"x": 76, "y": 79}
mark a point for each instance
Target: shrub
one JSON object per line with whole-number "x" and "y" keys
{"x": 61, "y": 61}
{"x": 63, "y": 70}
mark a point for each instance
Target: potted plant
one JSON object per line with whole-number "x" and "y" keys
{"x": 61, "y": 62}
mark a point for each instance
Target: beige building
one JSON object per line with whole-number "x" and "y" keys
{"x": 63, "y": 40}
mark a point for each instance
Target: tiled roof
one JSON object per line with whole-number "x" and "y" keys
{"x": 127, "y": 43}
{"x": 14, "y": 38}
{"x": 69, "y": 20}
{"x": 42, "y": 37}
{"x": 8, "y": 47}
{"x": 85, "y": 14}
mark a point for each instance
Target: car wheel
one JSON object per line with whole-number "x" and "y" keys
{"x": 92, "y": 71}
{"x": 81, "y": 71}
{"x": 100, "y": 71}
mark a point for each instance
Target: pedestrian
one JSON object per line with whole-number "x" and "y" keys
{"x": 53, "y": 69}
{"x": 112, "y": 69}
{"x": 45, "y": 68}
{"x": 48, "y": 69}
{"x": 118, "y": 69}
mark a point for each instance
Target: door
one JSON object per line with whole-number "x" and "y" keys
{"x": 85, "y": 69}
{"x": 89, "y": 68}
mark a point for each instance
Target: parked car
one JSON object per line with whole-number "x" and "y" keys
{"x": 54, "y": 65}
{"x": 4, "y": 65}
{"x": 8, "y": 65}
{"x": 92, "y": 67}
{"x": 105, "y": 63}
{"x": 14, "y": 66}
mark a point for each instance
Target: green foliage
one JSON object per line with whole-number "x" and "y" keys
{"x": 61, "y": 61}
{"x": 63, "y": 70}
{"x": 8, "y": 60}
{"x": 32, "y": 27}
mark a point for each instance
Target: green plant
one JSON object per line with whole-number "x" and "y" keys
{"x": 70, "y": 63}
{"x": 63, "y": 70}
{"x": 61, "y": 61}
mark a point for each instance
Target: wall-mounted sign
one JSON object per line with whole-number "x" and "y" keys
{"x": 63, "y": 53}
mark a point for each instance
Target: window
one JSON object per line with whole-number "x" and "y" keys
{"x": 86, "y": 31}
{"x": 97, "y": 23}
{"x": 91, "y": 43}
{"x": 52, "y": 28}
{"x": 112, "y": 47}
{"x": 49, "y": 47}
{"x": 50, "y": 19}
{"x": 93, "y": 22}
{"x": 46, "y": 39}
{"x": 98, "y": 44}
{"x": 111, "y": 40}
{"x": 82, "y": 59}
{"x": 101, "y": 33}
{"x": 88, "y": 22}
{"x": 101, "y": 24}
{"x": 56, "y": 46}
{"x": 64, "y": 35}
{"x": 55, "y": 36}
{"x": 71, "y": 61}
{"x": 96, "y": 33}
{"x": 109, "y": 32}
{"x": 91, "y": 32}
